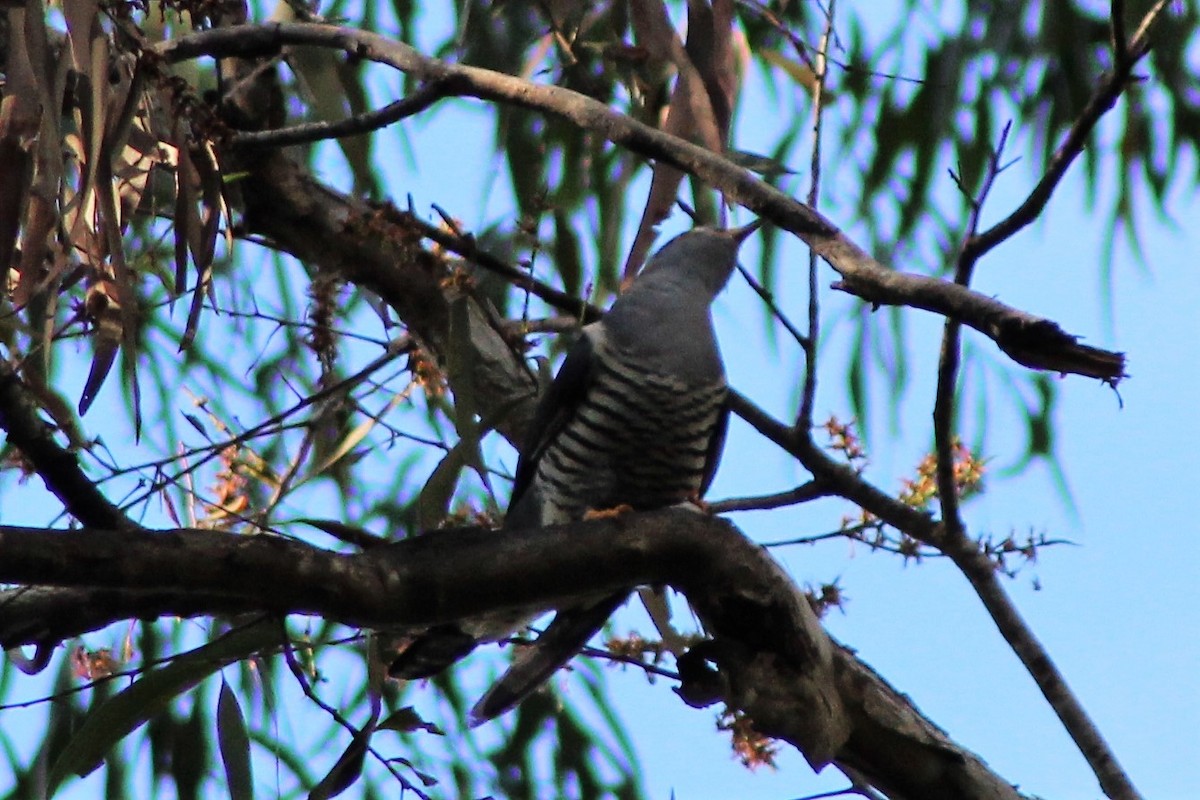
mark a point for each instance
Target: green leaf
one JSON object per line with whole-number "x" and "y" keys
{"x": 802, "y": 74}
{"x": 567, "y": 258}
{"x": 434, "y": 501}
{"x": 109, "y": 723}
{"x": 763, "y": 165}
{"x": 406, "y": 720}
{"x": 234, "y": 744}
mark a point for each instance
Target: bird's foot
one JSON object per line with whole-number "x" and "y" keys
{"x": 696, "y": 504}
{"x": 607, "y": 513}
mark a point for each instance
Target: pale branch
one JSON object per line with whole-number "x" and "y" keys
{"x": 54, "y": 464}
{"x": 1030, "y": 340}
{"x": 775, "y": 661}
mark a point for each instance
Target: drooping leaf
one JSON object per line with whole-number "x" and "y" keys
{"x": 234, "y": 744}
{"x": 802, "y": 74}
{"x": 407, "y": 720}
{"x": 103, "y": 307}
{"x": 347, "y": 769}
{"x": 110, "y": 722}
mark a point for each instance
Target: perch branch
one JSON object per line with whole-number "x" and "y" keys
{"x": 776, "y": 663}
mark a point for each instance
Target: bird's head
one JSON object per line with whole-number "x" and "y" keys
{"x": 706, "y": 256}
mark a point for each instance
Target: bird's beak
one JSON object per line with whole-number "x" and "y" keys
{"x": 740, "y": 234}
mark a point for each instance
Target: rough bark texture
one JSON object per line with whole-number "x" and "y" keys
{"x": 773, "y": 659}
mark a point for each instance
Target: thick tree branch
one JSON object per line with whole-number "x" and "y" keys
{"x": 377, "y": 248}
{"x": 776, "y": 663}
{"x": 1032, "y": 341}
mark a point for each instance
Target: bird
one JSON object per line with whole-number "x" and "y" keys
{"x": 634, "y": 419}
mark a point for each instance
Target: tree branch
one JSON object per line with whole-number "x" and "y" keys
{"x": 417, "y": 102}
{"x": 1112, "y": 85}
{"x": 1032, "y": 341}
{"x": 776, "y": 663}
{"x": 57, "y": 466}
{"x": 841, "y": 480}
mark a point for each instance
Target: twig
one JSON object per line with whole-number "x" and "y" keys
{"x": 947, "y": 375}
{"x": 633, "y": 661}
{"x": 801, "y": 494}
{"x": 396, "y": 348}
{"x": 464, "y": 245}
{"x": 418, "y": 101}
{"x": 336, "y": 716}
{"x": 1112, "y": 86}
{"x": 768, "y": 298}
{"x": 808, "y": 394}
{"x": 802, "y": 49}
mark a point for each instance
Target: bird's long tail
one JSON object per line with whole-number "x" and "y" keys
{"x": 570, "y": 630}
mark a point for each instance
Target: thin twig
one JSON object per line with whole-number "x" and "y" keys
{"x": 633, "y": 661}
{"x": 1112, "y": 86}
{"x": 395, "y": 349}
{"x": 464, "y": 245}
{"x": 355, "y": 732}
{"x": 767, "y": 297}
{"x": 947, "y": 376}
{"x": 418, "y": 101}
{"x": 852, "y": 532}
{"x": 801, "y": 494}
{"x": 808, "y": 394}
{"x": 802, "y": 49}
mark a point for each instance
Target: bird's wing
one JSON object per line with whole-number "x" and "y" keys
{"x": 562, "y": 639}
{"x": 716, "y": 443}
{"x": 554, "y": 410}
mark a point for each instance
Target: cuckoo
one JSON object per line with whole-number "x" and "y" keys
{"x": 635, "y": 418}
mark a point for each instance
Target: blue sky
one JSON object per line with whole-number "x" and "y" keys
{"x": 1118, "y": 612}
